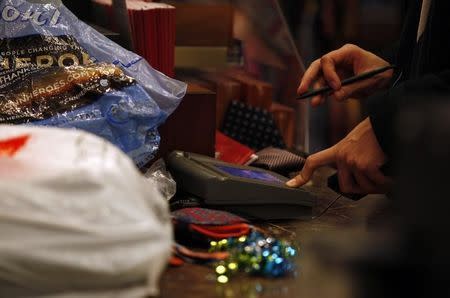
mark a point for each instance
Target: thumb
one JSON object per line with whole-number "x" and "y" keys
{"x": 313, "y": 162}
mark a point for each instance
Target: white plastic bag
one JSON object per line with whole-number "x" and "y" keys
{"x": 76, "y": 217}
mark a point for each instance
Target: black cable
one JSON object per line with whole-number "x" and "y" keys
{"x": 328, "y": 207}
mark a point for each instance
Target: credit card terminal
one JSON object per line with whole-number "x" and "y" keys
{"x": 248, "y": 191}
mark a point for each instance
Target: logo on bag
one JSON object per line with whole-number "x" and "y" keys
{"x": 12, "y": 14}
{"x": 23, "y": 56}
{"x": 39, "y": 51}
{"x": 9, "y": 147}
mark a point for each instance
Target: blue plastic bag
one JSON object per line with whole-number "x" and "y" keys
{"x": 37, "y": 39}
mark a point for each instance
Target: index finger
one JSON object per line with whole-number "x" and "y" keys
{"x": 330, "y": 73}
{"x": 310, "y": 76}
{"x": 313, "y": 162}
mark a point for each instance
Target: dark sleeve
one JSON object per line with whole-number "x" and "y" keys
{"x": 390, "y": 54}
{"x": 384, "y": 107}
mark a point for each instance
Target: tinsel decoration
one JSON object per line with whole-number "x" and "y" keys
{"x": 255, "y": 254}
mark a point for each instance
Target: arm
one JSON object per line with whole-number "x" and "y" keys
{"x": 384, "y": 107}
{"x": 360, "y": 155}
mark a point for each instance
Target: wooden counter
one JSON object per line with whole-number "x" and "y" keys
{"x": 332, "y": 213}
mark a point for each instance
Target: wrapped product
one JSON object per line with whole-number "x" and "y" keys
{"x": 57, "y": 71}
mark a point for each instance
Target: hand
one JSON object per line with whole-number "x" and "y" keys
{"x": 345, "y": 62}
{"x": 358, "y": 158}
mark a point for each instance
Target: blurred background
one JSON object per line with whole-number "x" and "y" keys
{"x": 272, "y": 41}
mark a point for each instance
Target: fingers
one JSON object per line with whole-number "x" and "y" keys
{"x": 312, "y": 163}
{"x": 352, "y": 180}
{"x": 361, "y": 180}
{"x": 330, "y": 73}
{"x": 364, "y": 184}
{"x": 381, "y": 181}
{"x": 326, "y": 67}
{"x": 378, "y": 177}
{"x": 346, "y": 182}
{"x": 341, "y": 94}
{"x": 322, "y": 72}
{"x": 354, "y": 90}
{"x": 310, "y": 76}
{"x": 330, "y": 67}
{"x": 319, "y": 99}
{"x": 343, "y": 59}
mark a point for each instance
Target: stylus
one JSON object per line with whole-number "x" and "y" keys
{"x": 345, "y": 82}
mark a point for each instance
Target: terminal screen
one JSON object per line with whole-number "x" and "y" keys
{"x": 249, "y": 174}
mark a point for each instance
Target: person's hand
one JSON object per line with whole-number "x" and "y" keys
{"x": 350, "y": 60}
{"x": 358, "y": 158}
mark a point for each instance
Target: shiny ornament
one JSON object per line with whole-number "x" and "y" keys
{"x": 255, "y": 254}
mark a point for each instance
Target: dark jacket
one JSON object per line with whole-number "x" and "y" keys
{"x": 424, "y": 69}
